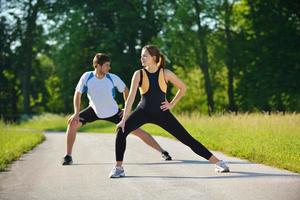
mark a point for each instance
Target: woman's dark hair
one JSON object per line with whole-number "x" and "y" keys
{"x": 154, "y": 51}
{"x": 100, "y": 58}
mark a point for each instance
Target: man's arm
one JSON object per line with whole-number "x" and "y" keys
{"x": 76, "y": 104}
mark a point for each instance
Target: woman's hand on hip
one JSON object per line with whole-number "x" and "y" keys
{"x": 166, "y": 106}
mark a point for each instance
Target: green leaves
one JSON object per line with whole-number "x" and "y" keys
{"x": 257, "y": 40}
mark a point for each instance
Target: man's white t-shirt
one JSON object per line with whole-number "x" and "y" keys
{"x": 100, "y": 94}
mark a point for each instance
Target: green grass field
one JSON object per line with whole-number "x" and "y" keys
{"x": 14, "y": 142}
{"x": 273, "y": 140}
{"x": 270, "y": 139}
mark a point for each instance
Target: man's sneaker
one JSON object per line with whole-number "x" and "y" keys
{"x": 67, "y": 160}
{"x": 117, "y": 172}
{"x": 221, "y": 167}
{"x": 165, "y": 156}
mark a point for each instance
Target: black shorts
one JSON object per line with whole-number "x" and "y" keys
{"x": 88, "y": 115}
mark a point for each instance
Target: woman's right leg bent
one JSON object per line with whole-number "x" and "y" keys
{"x": 134, "y": 121}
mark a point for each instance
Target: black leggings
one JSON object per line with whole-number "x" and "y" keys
{"x": 165, "y": 120}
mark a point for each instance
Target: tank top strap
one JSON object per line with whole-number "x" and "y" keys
{"x": 161, "y": 80}
{"x": 144, "y": 82}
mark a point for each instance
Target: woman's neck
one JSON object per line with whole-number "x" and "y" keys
{"x": 151, "y": 68}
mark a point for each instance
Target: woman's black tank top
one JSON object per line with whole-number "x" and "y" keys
{"x": 152, "y": 99}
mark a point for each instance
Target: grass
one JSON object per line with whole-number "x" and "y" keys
{"x": 269, "y": 139}
{"x": 53, "y": 122}
{"x": 273, "y": 140}
{"x": 45, "y": 122}
{"x": 14, "y": 142}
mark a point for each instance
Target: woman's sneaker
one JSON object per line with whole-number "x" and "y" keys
{"x": 67, "y": 160}
{"x": 165, "y": 156}
{"x": 221, "y": 167}
{"x": 117, "y": 172}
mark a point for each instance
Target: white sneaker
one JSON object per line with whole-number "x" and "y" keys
{"x": 117, "y": 172}
{"x": 221, "y": 167}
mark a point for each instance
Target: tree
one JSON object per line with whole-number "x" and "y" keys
{"x": 271, "y": 65}
{"x": 27, "y": 54}
{"x": 184, "y": 39}
{"x": 203, "y": 58}
{"x": 229, "y": 60}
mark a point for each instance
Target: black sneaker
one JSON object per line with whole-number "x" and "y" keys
{"x": 67, "y": 160}
{"x": 165, "y": 156}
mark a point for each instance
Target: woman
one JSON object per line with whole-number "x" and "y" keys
{"x": 154, "y": 108}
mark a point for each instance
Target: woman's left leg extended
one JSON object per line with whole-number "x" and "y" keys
{"x": 167, "y": 121}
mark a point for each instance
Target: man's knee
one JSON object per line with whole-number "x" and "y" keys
{"x": 75, "y": 125}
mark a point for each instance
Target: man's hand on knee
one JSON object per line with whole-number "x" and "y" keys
{"x": 74, "y": 119}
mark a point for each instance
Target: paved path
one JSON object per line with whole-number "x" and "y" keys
{"x": 38, "y": 175}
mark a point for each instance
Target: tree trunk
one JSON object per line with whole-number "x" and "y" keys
{"x": 229, "y": 57}
{"x": 265, "y": 106}
{"x": 14, "y": 99}
{"x": 27, "y": 54}
{"x": 202, "y": 58}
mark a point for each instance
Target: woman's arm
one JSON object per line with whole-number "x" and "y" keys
{"x": 171, "y": 77}
{"x": 131, "y": 97}
{"x": 125, "y": 93}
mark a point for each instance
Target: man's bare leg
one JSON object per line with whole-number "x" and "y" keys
{"x": 148, "y": 139}
{"x": 71, "y": 135}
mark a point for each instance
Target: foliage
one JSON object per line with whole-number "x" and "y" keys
{"x": 47, "y": 45}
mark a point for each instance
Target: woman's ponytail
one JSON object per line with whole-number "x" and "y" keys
{"x": 154, "y": 51}
{"x": 161, "y": 61}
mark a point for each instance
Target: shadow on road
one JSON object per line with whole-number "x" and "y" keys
{"x": 231, "y": 175}
{"x": 196, "y": 162}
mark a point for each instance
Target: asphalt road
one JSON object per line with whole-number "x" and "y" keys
{"x": 39, "y": 175}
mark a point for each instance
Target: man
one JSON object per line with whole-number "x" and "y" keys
{"x": 100, "y": 86}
